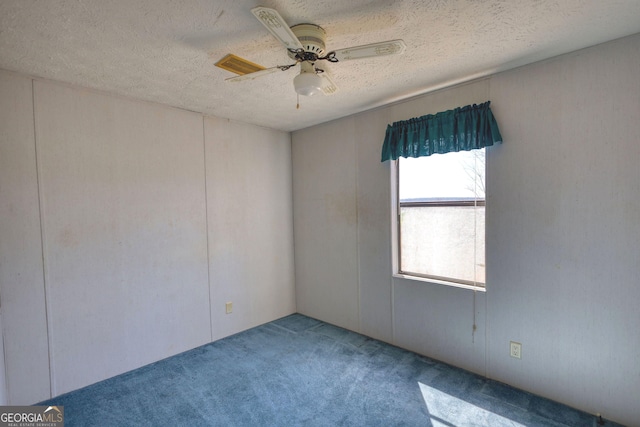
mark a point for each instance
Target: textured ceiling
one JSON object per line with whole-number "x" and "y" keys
{"x": 165, "y": 50}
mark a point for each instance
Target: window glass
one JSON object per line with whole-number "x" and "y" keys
{"x": 449, "y": 176}
{"x": 442, "y": 217}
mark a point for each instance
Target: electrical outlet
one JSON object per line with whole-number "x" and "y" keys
{"x": 229, "y": 307}
{"x": 516, "y": 350}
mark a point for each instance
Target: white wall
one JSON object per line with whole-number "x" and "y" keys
{"x": 326, "y": 278}
{"x": 563, "y": 205}
{"x": 565, "y": 230}
{"x": 250, "y": 224}
{"x": 21, "y": 274}
{"x": 116, "y": 218}
{"x": 124, "y": 232}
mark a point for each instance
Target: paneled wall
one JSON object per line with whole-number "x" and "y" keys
{"x": 325, "y": 213}
{"x": 563, "y": 196}
{"x": 22, "y": 299}
{"x": 565, "y": 230}
{"x": 250, "y": 225}
{"x": 120, "y": 246}
{"x": 124, "y": 232}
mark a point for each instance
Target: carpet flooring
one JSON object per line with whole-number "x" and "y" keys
{"x": 298, "y": 371}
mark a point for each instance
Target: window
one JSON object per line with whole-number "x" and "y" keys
{"x": 440, "y": 215}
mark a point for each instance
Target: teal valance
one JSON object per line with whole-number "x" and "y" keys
{"x": 461, "y": 129}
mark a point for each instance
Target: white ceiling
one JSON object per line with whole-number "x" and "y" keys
{"x": 165, "y": 50}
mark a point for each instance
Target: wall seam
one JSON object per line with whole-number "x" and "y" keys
{"x": 357, "y": 163}
{"x": 293, "y": 227}
{"x": 393, "y": 184}
{"x": 4, "y": 367}
{"x": 42, "y": 246}
{"x": 206, "y": 220}
{"x": 486, "y": 294}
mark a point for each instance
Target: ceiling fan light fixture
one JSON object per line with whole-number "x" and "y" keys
{"x": 305, "y": 44}
{"x": 307, "y": 84}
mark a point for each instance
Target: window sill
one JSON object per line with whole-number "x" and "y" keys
{"x": 439, "y": 282}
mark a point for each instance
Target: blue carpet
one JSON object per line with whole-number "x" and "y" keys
{"x": 298, "y": 371}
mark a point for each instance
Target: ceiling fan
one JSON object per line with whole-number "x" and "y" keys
{"x": 305, "y": 44}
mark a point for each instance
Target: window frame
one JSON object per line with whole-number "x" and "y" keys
{"x": 396, "y": 235}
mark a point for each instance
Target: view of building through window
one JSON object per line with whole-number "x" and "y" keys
{"x": 442, "y": 216}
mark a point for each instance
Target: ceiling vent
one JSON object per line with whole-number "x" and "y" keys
{"x": 237, "y": 65}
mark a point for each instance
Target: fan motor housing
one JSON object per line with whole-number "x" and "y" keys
{"x": 312, "y": 38}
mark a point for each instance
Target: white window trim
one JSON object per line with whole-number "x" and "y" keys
{"x": 395, "y": 259}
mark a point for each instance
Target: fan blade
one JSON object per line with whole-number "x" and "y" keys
{"x": 391, "y": 47}
{"x": 277, "y": 26}
{"x": 328, "y": 86}
{"x": 251, "y": 76}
